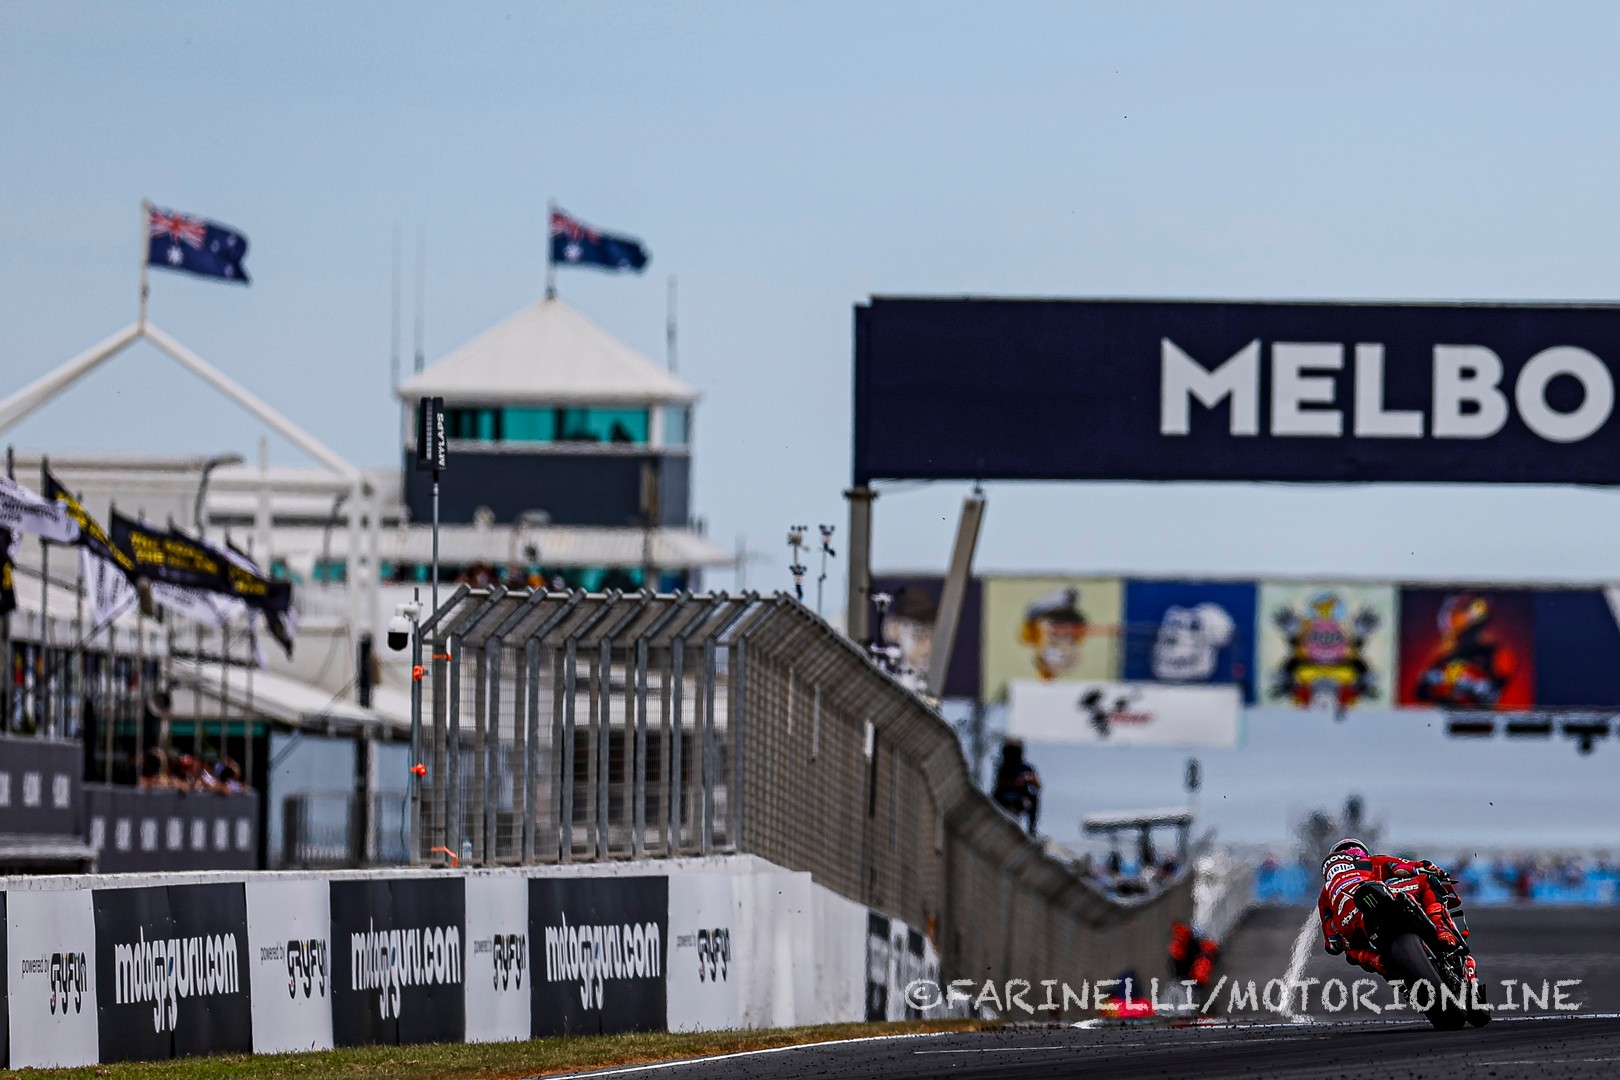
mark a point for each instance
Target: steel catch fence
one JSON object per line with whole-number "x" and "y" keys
{"x": 632, "y": 725}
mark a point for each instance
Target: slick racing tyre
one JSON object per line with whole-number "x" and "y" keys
{"x": 1409, "y": 960}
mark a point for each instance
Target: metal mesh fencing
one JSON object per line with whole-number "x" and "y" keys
{"x": 619, "y": 726}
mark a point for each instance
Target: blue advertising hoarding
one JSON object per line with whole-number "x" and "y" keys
{"x": 1190, "y": 632}
{"x": 1577, "y": 649}
{"x": 983, "y": 389}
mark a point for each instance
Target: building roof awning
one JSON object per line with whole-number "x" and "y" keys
{"x": 556, "y": 546}
{"x": 284, "y": 700}
{"x": 547, "y": 354}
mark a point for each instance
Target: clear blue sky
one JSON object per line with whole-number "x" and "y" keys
{"x": 787, "y": 161}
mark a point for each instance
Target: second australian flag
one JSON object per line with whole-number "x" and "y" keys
{"x": 195, "y": 246}
{"x": 574, "y": 243}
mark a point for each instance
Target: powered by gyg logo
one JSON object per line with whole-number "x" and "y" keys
{"x": 306, "y": 968}
{"x": 305, "y": 962}
{"x": 713, "y": 954}
{"x": 508, "y": 958}
{"x": 67, "y": 977}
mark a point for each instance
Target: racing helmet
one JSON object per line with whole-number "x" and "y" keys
{"x": 1348, "y": 846}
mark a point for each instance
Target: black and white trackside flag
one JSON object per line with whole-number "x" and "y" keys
{"x": 24, "y": 511}
{"x": 107, "y": 588}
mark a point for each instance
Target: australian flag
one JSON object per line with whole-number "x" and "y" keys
{"x": 573, "y": 243}
{"x": 178, "y": 242}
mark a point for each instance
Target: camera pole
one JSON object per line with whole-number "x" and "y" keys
{"x": 430, "y": 456}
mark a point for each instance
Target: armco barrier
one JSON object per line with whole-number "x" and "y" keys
{"x": 617, "y": 726}
{"x": 146, "y": 967}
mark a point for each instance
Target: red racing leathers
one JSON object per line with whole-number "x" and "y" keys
{"x": 1342, "y": 929}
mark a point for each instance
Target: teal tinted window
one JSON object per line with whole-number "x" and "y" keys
{"x": 602, "y": 425}
{"x": 529, "y": 425}
{"x": 677, "y": 425}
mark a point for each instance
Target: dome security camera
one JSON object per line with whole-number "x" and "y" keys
{"x": 401, "y": 625}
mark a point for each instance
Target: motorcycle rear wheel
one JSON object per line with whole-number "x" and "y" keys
{"x": 1409, "y": 960}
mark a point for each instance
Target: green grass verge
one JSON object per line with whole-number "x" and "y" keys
{"x": 488, "y": 1061}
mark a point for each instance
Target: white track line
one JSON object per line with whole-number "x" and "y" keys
{"x": 683, "y": 1062}
{"x": 998, "y": 1050}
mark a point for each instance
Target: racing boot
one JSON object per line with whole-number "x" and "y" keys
{"x": 1476, "y": 994}
{"x": 1443, "y": 927}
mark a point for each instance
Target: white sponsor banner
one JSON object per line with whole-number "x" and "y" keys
{"x": 701, "y": 973}
{"x": 499, "y": 962}
{"x": 51, "y": 1000}
{"x": 290, "y": 965}
{"x": 24, "y": 511}
{"x": 1124, "y": 713}
{"x": 109, "y": 591}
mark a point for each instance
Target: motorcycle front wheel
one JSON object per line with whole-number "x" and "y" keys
{"x": 1409, "y": 960}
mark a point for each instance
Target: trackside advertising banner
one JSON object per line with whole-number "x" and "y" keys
{"x": 1150, "y": 390}
{"x": 703, "y": 965}
{"x": 500, "y": 974}
{"x": 896, "y": 955}
{"x": 290, "y": 965}
{"x": 1124, "y": 714}
{"x": 171, "y": 971}
{"x": 600, "y": 947}
{"x": 51, "y": 1004}
{"x": 398, "y": 961}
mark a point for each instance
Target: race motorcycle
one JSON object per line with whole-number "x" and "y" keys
{"x": 1401, "y": 933}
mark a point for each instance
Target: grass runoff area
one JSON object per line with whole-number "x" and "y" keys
{"x": 490, "y": 1061}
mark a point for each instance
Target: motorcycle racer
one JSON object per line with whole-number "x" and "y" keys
{"x": 1348, "y": 865}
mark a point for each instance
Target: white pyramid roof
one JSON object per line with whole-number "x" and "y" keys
{"x": 548, "y": 353}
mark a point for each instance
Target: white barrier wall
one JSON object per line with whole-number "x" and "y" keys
{"x": 132, "y": 967}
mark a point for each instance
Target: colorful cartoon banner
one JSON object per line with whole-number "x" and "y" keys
{"x": 1468, "y": 648}
{"x": 1326, "y": 645}
{"x": 1050, "y": 629}
{"x": 913, "y": 608}
{"x": 1190, "y": 632}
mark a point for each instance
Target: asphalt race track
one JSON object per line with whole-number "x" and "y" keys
{"x": 1533, "y": 944}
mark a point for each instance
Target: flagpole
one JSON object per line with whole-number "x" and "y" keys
{"x": 551, "y": 265}
{"x": 78, "y": 633}
{"x": 5, "y": 625}
{"x": 41, "y": 693}
{"x": 146, "y": 248}
{"x": 669, "y": 328}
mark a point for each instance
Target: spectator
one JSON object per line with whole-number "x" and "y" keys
{"x": 1018, "y": 788}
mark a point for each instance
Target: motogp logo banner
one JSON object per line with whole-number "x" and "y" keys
{"x": 398, "y": 955}
{"x": 599, "y": 954}
{"x": 171, "y": 971}
{"x": 1323, "y": 392}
